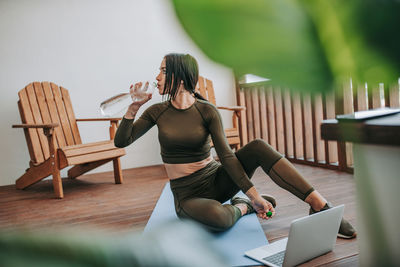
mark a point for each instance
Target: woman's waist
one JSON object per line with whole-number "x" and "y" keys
{"x": 176, "y": 171}
{"x": 195, "y": 177}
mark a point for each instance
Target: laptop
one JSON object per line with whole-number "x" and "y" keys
{"x": 309, "y": 237}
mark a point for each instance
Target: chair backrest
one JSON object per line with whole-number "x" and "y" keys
{"x": 206, "y": 89}
{"x": 47, "y": 103}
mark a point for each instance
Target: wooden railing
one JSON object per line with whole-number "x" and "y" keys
{"x": 290, "y": 121}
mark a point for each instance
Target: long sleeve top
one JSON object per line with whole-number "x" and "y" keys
{"x": 184, "y": 136}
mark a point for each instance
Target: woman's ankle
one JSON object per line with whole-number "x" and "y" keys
{"x": 316, "y": 201}
{"x": 242, "y": 208}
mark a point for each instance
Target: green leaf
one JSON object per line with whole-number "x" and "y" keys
{"x": 306, "y": 45}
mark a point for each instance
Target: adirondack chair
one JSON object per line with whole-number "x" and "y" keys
{"x": 53, "y": 138}
{"x": 206, "y": 89}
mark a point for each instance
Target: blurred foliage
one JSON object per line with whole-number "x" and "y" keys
{"x": 174, "y": 243}
{"x": 308, "y": 45}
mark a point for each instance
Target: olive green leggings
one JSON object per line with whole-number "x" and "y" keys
{"x": 198, "y": 196}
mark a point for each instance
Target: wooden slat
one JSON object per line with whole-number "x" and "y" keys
{"x": 229, "y": 132}
{"x": 263, "y": 114}
{"x": 242, "y": 120}
{"x": 376, "y": 97}
{"x": 318, "y": 119}
{"x": 34, "y": 142}
{"x": 341, "y": 147}
{"x": 44, "y": 109}
{"x": 256, "y": 112}
{"x": 348, "y": 107}
{"x": 44, "y": 113}
{"x": 201, "y": 87}
{"x": 285, "y": 148}
{"x": 96, "y": 156}
{"x": 54, "y": 114}
{"x": 330, "y": 114}
{"x": 271, "y": 117}
{"x": 394, "y": 98}
{"x": 73, "y": 147}
{"x": 386, "y": 92}
{"x": 314, "y": 128}
{"x": 62, "y": 115}
{"x": 233, "y": 139}
{"x": 71, "y": 115}
{"x": 95, "y": 147}
{"x": 210, "y": 91}
{"x": 307, "y": 127}
{"x": 303, "y": 127}
{"x": 293, "y": 128}
{"x": 369, "y": 95}
{"x": 288, "y": 124}
{"x": 280, "y": 135}
{"x": 362, "y": 98}
{"x": 37, "y": 117}
{"x": 297, "y": 126}
{"x": 324, "y": 117}
{"x": 29, "y": 133}
{"x": 249, "y": 116}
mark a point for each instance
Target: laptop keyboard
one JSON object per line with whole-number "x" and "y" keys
{"x": 276, "y": 259}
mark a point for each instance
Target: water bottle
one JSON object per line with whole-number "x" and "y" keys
{"x": 120, "y": 102}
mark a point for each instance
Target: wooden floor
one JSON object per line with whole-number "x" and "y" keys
{"x": 95, "y": 201}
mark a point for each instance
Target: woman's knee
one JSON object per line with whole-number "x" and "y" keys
{"x": 262, "y": 148}
{"x": 221, "y": 220}
{"x": 260, "y": 151}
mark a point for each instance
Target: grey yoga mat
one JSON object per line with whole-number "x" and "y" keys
{"x": 246, "y": 234}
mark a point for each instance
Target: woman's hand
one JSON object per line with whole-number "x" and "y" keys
{"x": 134, "y": 107}
{"x": 262, "y": 207}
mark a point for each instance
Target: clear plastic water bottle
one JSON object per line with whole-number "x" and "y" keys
{"x": 118, "y": 103}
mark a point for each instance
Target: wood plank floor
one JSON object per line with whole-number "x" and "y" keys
{"x": 95, "y": 201}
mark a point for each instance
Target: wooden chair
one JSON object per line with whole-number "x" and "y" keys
{"x": 53, "y": 138}
{"x": 206, "y": 89}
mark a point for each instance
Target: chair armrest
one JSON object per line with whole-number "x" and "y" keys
{"x": 45, "y": 125}
{"x": 233, "y": 108}
{"x": 100, "y": 119}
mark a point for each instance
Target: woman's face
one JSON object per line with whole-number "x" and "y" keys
{"x": 161, "y": 77}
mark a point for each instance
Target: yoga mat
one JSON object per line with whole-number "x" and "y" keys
{"x": 246, "y": 234}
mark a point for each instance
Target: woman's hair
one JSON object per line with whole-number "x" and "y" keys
{"x": 181, "y": 68}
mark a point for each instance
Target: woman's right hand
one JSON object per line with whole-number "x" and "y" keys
{"x": 261, "y": 207}
{"x": 134, "y": 107}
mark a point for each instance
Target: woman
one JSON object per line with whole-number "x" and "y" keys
{"x": 200, "y": 184}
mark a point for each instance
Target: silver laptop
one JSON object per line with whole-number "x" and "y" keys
{"x": 309, "y": 237}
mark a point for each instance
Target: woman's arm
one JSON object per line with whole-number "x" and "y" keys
{"x": 128, "y": 131}
{"x": 225, "y": 153}
{"x": 235, "y": 169}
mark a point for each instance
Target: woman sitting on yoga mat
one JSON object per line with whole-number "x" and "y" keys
{"x": 200, "y": 184}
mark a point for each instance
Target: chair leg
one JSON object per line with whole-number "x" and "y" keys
{"x": 117, "y": 171}
{"x": 57, "y": 184}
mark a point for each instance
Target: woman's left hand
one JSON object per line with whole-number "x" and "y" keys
{"x": 262, "y": 207}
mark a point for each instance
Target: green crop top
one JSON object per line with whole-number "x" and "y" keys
{"x": 184, "y": 136}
